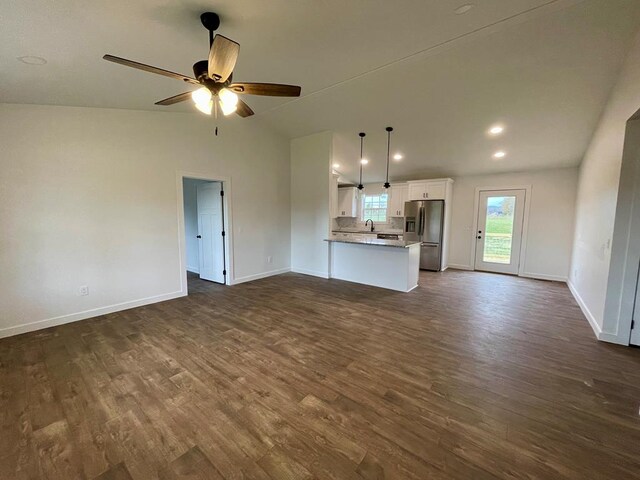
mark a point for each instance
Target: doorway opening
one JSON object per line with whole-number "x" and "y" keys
{"x": 499, "y": 229}
{"x": 205, "y": 242}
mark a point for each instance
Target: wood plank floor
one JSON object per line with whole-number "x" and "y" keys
{"x": 470, "y": 376}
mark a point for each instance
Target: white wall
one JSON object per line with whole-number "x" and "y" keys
{"x": 90, "y": 197}
{"x": 310, "y": 202}
{"x": 551, "y": 219}
{"x": 597, "y": 196}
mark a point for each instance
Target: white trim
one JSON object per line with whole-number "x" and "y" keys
{"x": 193, "y": 269}
{"x": 95, "y": 312}
{"x": 258, "y": 276}
{"x": 455, "y": 266}
{"x": 585, "y": 310}
{"x": 313, "y": 273}
{"x": 228, "y": 227}
{"x": 544, "y": 276}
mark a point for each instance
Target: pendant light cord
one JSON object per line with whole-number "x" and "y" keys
{"x": 362, "y": 135}
{"x": 389, "y": 130}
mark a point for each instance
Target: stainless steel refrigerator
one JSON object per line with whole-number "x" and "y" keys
{"x": 423, "y": 222}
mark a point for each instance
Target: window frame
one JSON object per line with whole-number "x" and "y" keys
{"x": 362, "y": 207}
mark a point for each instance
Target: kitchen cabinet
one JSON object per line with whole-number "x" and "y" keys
{"x": 347, "y": 202}
{"x": 430, "y": 190}
{"x": 398, "y": 194}
{"x": 334, "y": 196}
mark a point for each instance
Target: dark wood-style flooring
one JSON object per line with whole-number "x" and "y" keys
{"x": 470, "y": 376}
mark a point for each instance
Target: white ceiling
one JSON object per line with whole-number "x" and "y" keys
{"x": 543, "y": 68}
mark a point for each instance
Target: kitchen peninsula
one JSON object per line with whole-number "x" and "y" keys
{"x": 392, "y": 264}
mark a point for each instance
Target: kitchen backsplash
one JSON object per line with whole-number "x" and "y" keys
{"x": 395, "y": 223}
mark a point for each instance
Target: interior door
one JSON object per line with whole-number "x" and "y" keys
{"x": 211, "y": 246}
{"x": 499, "y": 233}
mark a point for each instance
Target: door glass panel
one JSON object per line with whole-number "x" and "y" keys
{"x": 499, "y": 229}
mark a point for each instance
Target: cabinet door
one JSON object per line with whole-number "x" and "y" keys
{"x": 334, "y": 196}
{"x": 427, "y": 191}
{"x": 346, "y": 202}
{"x": 436, "y": 190}
{"x": 417, "y": 191}
{"x": 342, "y": 202}
{"x": 404, "y": 196}
{"x": 395, "y": 207}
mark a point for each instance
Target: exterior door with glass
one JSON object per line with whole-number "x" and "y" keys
{"x": 499, "y": 232}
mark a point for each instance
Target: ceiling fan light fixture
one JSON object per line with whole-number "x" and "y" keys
{"x": 201, "y": 96}
{"x": 228, "y": 101}
{"x": 205, "y": 108}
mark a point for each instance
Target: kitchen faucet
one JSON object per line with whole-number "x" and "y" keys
{"x": 369, "y": 220}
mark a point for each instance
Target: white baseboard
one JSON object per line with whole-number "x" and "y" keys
{"x": 544, "y": 276}
{"x": 459, "y": 267}
{"x": 95, "y": 312}
{"x": 258, "y": 276}
{"x": 587, "y": 313}
{"x": 313, "y": 273}
{"x": 193, "y": 269}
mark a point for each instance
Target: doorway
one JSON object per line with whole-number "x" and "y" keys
{"x": 204, "y": 227}
{"x": 499, "y": 230}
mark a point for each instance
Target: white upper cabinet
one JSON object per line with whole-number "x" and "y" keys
{"x": 347, "y": 202}
{"x": 429, "y": 190}
{"x": 398, "y": 194}
{"x": 333, "y": 200}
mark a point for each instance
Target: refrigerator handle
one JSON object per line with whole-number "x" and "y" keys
{"x": 420, "y": 230}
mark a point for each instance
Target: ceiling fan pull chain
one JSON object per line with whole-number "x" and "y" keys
{"x": 215, "y": 115}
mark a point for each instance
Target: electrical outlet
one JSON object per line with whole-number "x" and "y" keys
{"x": 83, "y": 290}
{"x": 269, "y": 259}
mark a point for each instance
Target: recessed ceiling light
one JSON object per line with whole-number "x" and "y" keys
{"x": 336, "y": 165}
{"x": 31, "y": 60}
{"x": 397, "y": 156}
{"x": 364, "y": 161}
{"x": 499, "y": 154}
{"x": 462, "y": 9}
{"x": 496, "y": 130}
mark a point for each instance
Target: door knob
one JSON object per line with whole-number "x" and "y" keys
{"x": 479, "y": 237}
{"x": 198, "y": 236}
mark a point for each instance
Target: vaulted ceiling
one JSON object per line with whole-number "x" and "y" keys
{"x": 541, "y": 68}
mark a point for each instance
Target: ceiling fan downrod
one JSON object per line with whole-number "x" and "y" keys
{"x": 210, "y": 21}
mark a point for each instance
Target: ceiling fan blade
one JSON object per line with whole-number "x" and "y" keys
{"x": 268, "y": 89}
{"x": 149, "y": 68}
{"x": 222, "y": 58}
{"x": 181, "y": 97}
{"x": 243, "y": 109}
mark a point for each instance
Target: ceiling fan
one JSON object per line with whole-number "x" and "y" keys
{"x": 215, "y": 77}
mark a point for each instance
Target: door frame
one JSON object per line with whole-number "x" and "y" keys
{"x": 525, "y": 222}
{"x": 624, "y": 258}
{"x": 227, "y": 224}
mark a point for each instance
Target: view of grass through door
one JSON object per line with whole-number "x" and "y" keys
{"x": 499, "y": 229}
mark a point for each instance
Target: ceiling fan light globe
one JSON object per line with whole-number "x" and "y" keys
{"x": 205, "y": 108}
{"x": 228, "y": 98}
{"x": 201, "y": 96}
{"x": 227, "y": 109}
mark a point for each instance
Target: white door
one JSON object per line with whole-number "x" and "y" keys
{"x": 211, "y": 241}
{"x": 635, "y": 331}
{"x": 499, "y": 233}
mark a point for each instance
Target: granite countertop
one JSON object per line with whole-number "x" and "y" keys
{"x": 375, "y": 241}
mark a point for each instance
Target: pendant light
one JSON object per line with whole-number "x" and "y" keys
{"x": 362, "y": 160}
{"x": 389, "y": 130}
